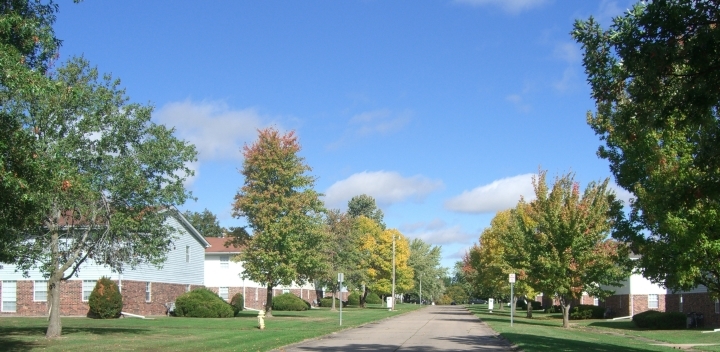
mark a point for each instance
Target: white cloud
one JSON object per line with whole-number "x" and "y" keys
{"x": 217, "y": 131}
{"x": 381, "y": 121}
{"x": 436, "y": 232}
{"x": 568, "y": 52}
{"x": 387, "y": 187}
{"x": 567, "y": 81}
{"x": 459, "y": 255}
{"x": 511, "y": 6}
{"x": 499, "y": 195}
{"x": 607, "y": 10}
{"x": 517, "y": 101}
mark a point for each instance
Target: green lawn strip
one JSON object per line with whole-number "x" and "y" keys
{"x": 545, "y": 333}
{"x": 186, "y": 334}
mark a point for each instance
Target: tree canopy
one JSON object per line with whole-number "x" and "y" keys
{"x": 283, "y": 210}
{"x": 654, "y": 76}
{"x": 205, "y": 222}
{"x": 365, "y": 205}
{"x": 425, "y": 263}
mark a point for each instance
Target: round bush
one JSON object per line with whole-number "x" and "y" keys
{"x": 237, "y": 302}
{"x": 105, "y": 300}
{"x": 655, "y": 320}
{"x": 289, "y": 302}
{"x": 202, "y": 303}
{"x": 327, "y": 302}
{"x": 373, "y": 298}
{"x": 354, "y": 299}
{"x": 586, "y": 311}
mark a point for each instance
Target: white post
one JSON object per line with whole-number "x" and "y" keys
{"x": 421, "y": 291}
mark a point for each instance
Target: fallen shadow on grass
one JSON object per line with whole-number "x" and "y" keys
{"x": 383, "y": 348}
{"x": 40, "y": 331}
{"x": 13, "y": 345}
{"x": 525, "y": 321}
{"x": 545, "y": 343}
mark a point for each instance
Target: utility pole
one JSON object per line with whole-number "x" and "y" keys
{"x": 393, "y": 265}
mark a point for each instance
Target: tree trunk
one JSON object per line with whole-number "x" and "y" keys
{"x": 318, "y": 294}
{"x": 268, "y": 302}
{"x": 529, "y": 309}
{"x": 566, "y": 312}
{"x": 333, "y": 299}
{"x": 363, "y": 297}
{"x": 54, "y": 324}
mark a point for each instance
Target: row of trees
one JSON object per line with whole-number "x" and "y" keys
{"x": 84, "y": 173}
{"x": 557, "y": 244}
{"x": 295, "y": 239}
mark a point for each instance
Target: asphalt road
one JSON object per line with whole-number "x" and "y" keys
{"x": 435, "y": 328}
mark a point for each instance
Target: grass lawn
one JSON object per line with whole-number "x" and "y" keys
{"x": 186, "y": 334}
{"x": 545, "y": 333}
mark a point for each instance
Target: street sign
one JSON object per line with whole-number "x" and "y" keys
{"x": 512, "y": 278}
{"x": 341, "y": 277}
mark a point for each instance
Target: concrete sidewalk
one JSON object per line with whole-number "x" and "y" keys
{"x": 435, "y": 328}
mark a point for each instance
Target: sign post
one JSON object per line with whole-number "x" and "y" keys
{"x": 512, "y": 298}
{"x": 340, "y": 281}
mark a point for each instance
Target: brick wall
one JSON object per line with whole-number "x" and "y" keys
{"x": 71, "y": 303}
{"x": 308, "y": 295}
{"x": 618, "y": 303}
{"x": 694, "y": 302}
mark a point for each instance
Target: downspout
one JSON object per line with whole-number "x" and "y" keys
{"x": 631, "y": 299}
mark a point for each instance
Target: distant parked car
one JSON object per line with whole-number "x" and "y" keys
{"x": 453, "y": 303}
{"x": 477, "y": 301}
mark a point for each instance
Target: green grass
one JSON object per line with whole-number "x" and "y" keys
{"x": 545, "y": 333}
{"x": 185, "y": 334}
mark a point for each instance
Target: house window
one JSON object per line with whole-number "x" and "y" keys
{"x": 187, "y": 288}
{"x": 596, "y": 301}
{"x": 40, "y": 291}
{"x": 187, "y": 254}
{"x": 148, "y": 291}
{"x": 653, "y": 301}
{"x": 87, "y": 288}
{"x": 286, "y": 291}
{"x": 224, "y": 293}
{"x": 9, "y": 300}
{"x": 224, "y": 261}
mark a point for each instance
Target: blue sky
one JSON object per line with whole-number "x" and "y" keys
{"x": 441, "y": 110}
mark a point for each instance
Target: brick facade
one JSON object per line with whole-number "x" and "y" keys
{"x": 694, "y": 302}
{"x": 620, "y": 304}
{"x": 71, "y": 303}
{"x": 308, "y": 295}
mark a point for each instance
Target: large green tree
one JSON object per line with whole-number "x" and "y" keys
{"x": 27, "y": 48}
{"x": 284, "y": 212}
{"x": 425, "y": 262}
{"x": 341, "y": 252}
{"x": 564, "y": 236}
{"x": 205, "y": 222}
{"x": 365, "y": 205}
{"x": 115, "y": 176}
{"x": 654, "y": 76}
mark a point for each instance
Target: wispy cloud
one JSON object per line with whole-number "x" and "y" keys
{"x": 509, "y": 6}
{"x": 387, "y": 187}
{"x": 621, "y": 193}
{"x": 567, "y": 81}
{"x": 568, "y": 52}
{"x": 381, "y": 121}
{"x": 437, "y": 232}
{"x": 519, "y": 103}
{"x": 217, "y": 131}
{"x": 498, "y": 195}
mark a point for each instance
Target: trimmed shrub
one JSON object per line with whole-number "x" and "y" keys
{"x": 289, "y": 302}
{"x": 655, "y": 320}
{"x": 327, "y": 302}
{"x": 354, "y": 299}
{"x": 521, "y": 304}
{"x": 554, "y": 309}
{"x": 237, "y": 303}
{"x": 587, "y": 311}
{"x": 202, "y": 303}
{"x": 373, "y": 298}
{"x": 105, "y": 300}
{"x": 536, "y": 305}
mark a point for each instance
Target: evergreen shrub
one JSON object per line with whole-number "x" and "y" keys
{"x": 202, "y": 303}
{"x": 655, "y": 320}
{"x": 373, "y": 298}
{"x": 354, "y": 299}
{"x": 587, "y": 311}
{"x": 327, "y": 302}
{"x": 105, "y": 300}
{"x": 289, "y": 302}
{"x": 237, "y": 303}
{"x": 536, "y": 305}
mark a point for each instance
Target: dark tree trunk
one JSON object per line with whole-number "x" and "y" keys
{"x": 566, "y": 312}
{"x": 529, "y": 309}
{"x": 333, "y": 301}
{"x": 268, "y": 302}
{"x": 363, "y": 297}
